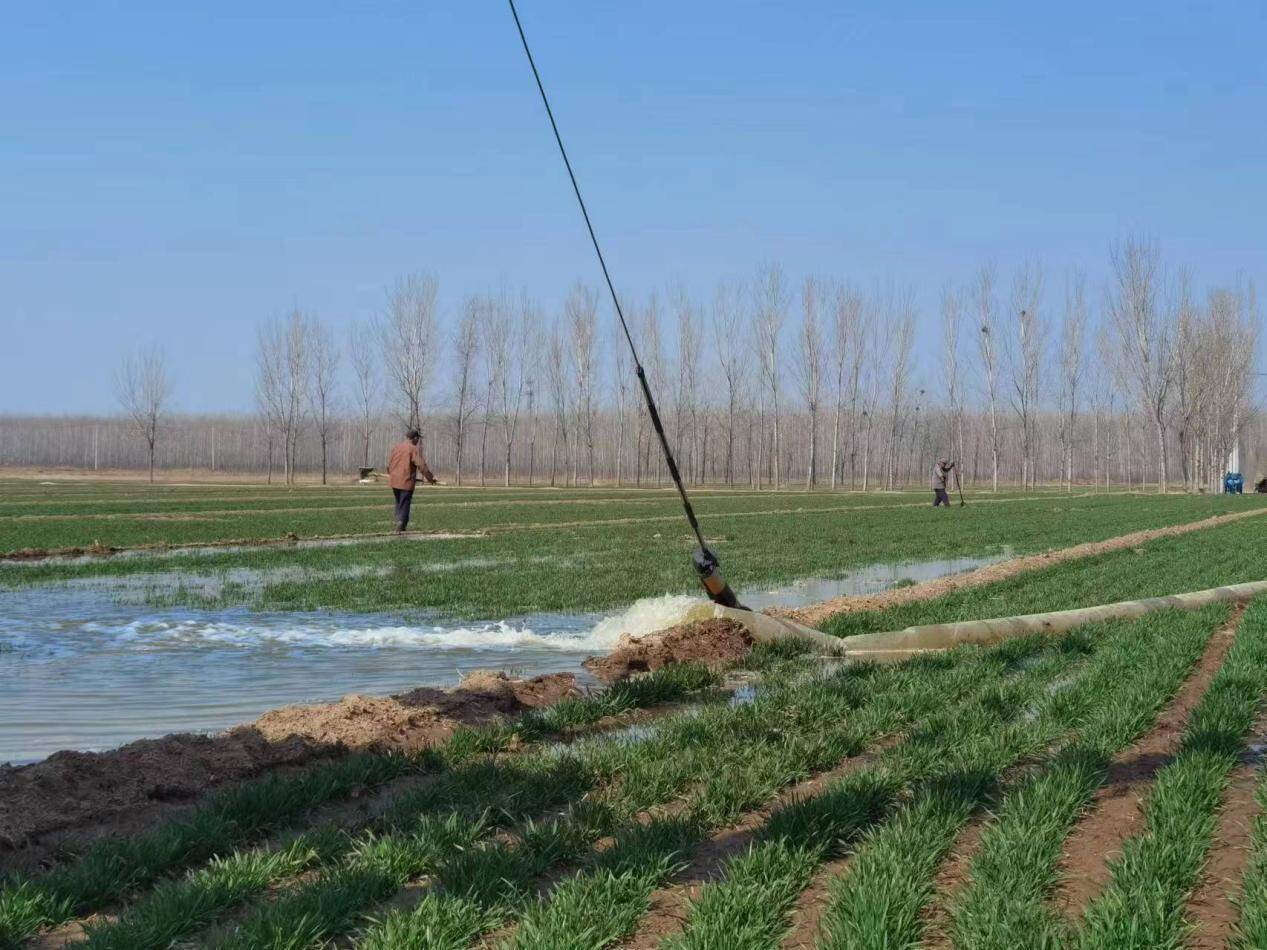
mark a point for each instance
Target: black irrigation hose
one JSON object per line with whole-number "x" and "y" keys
{"x": 705, "y": 560}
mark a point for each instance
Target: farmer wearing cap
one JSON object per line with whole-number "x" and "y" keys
{"x": 941, "y": 472}
{"x": 405, "y": 465}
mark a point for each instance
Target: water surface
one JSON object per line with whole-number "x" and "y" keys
{"x": 88, "y": 665}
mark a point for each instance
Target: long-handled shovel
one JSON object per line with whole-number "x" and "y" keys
{"x": 959, "y": 485}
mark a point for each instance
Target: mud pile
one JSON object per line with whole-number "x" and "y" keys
{"x": 713, "y": 642}
{"x": 418, "y": 718}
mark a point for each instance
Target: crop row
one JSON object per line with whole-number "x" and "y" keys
{"x": 112, "y": 868}
{"x": 881, "y": 899}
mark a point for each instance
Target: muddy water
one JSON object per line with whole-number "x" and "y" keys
{"x": 88, "y": 666}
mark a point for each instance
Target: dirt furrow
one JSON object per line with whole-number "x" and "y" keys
{"x": 952, "y": 877}
{"x": 670, "y": 905}
{"x": 1211, "y": 908}
{"x": 811, "y": 905}
{"x": 1116, "y": 813}
{"x": 817, "y": 614}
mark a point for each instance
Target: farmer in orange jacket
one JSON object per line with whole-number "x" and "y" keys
{"x": 404, "y": 466}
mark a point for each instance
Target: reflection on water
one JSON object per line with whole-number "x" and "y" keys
{"x": 84, "y": 665}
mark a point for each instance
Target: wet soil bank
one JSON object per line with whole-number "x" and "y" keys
{"x": 71, "y": 790}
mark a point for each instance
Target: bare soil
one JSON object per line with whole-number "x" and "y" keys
{"x": 417, "y": 719}
{"x": 951, "y": 878}
{"x": 817, "y": 614}
{"x": 72, "y": 791}
{"x": 715, "y": 642}
{"x": 1116, "y": 813}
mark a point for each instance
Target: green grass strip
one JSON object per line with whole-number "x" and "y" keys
{"x": 1143, "y": 904}
{"x": 1004, "y": 905}
{"x": 779, "y": 739}
{"x": 178, "y": 906}
{"x": 1251, "y": 927}
{"x": 563, "y": 919}
{"x": 112, "y": 868}
{"x": 882, "y": 897}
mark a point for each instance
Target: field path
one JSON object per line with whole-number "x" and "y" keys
{"x": 1115, "y": 814}
{"x": 817, "y": 614}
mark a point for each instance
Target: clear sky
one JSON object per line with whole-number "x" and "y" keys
{"x": 175, "y": 172}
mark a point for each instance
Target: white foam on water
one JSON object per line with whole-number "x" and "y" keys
{"x": 642, "y": 617}
{"x": 240, "y": 629}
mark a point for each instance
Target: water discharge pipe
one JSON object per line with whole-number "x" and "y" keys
{"x": 896, "y": 645}
{"x": 938, "y": 637}
{"x": 706, "y": 563}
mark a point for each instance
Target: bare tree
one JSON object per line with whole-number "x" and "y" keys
{"x": 466, "y": 351}
{"x": 728, "y": 333}
{"x": 492, "y": 325}
{"x": 1144, "y": 337}
{"x": 810, "y": 360}
{"x": 365, "y": 383}
{"x": 560, "y": 395}
{"x": 407, "y": 335}
{"x": 1072, "y": 364}
{"x": 1024, "y": 355}
{"x": 771, "y": 303}
{"x": 988, "y": 350}
{"x": 621, "y": 358}
{"x": 323, "y": 363}
{"x": 516, "y": 345}
{"x": 581, "y": 312}
{"x": 144, "y": 391}
{"x": 901, "y": 316}
{"x": 283, "y": 379}
{"x": 952, "y": 310}
{"x": 686, "y": 393}
{"x": 863, "y": 342}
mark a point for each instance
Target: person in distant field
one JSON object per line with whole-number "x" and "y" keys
{"x": 405, "y": 465}
{"x": 941, "y": 474}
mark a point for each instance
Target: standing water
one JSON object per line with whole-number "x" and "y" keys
{"x": 84, "y": 669}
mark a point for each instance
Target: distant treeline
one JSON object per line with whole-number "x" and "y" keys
{"x": 1109, "y": 450}
{"x": 766, "y": 385}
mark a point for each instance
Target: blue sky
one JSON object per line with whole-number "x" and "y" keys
{"x": 176, "y": 173}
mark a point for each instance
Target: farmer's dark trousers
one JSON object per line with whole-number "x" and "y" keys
{"x": 939, "y": 498}
{"x": 404, "y": 497}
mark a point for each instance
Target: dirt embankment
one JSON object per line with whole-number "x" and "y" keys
{"x": 76, "y": 790}
{"x": 70, "y": 794}
{"x": 418, "y": 718}
{"x": 712, "y": 642}
{"x": 817, "y": 614}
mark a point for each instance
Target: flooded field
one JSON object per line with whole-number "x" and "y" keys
{"x": 90, "y": 665}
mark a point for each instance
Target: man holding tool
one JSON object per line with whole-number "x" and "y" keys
{"x": 941, "y": 474}
{"x": 404, "y": 466}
